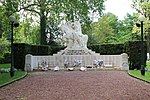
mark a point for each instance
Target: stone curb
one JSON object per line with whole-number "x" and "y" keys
{"x": 138, "y": 78}
{"x": 19, "y": 78}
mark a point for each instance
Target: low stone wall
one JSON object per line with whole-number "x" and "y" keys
{"x": 34, "y": 62}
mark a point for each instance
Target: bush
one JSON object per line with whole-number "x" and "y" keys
{"x": 95, "y": 47}
{"x": 112, "y": 49}
{"x": 22, "y": 49}
{"x": 40, "y": 50}
{"x": 107, "y": 49}
{"x": 133, "y": 49}
{"x": 7, "y": 57}
{"x": 1, "y": 59}
{"x": 55, "y": 49}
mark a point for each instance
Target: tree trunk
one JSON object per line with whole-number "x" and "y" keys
{"x": 42, "y": 27}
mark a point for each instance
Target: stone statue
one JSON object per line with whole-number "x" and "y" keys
{"x": 73, "y": 35}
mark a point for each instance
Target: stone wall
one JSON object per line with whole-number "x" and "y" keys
{"x": 33, "y": 62}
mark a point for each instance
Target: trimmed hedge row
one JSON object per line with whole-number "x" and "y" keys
{"x": 21, "y": 50}
{"x": 133, "y": 49}
{"x": 108, "y": 49}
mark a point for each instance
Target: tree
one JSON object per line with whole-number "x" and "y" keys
{"x": 5, "y": 10}
{"x": 103, "y": 29}
{"x": 125, "y": 29}
{"x": 51, "y": 9}
{"x": 143, "y": 7}
{"x": 109, "y": 29}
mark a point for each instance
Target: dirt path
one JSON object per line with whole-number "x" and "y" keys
{"x": 76, "y": 85}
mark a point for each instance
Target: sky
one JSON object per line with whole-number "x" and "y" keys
{"x": 119, "y": 7}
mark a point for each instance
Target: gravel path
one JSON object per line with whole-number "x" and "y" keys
{"x": 76, "y": 85}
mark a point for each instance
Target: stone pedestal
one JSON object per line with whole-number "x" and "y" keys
{"x": 125, "y": 65}
{"x": 28, "y": 63}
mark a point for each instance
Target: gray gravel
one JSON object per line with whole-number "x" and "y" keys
{"x": 76, "y": 85}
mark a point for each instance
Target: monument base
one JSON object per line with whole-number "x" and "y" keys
{"x": 84, "y": 56}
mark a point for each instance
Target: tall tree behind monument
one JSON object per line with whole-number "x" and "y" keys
{"x": 45, "y": 9}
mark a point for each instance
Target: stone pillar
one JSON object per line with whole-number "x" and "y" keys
{"x": 125, "y": 65}
{"x": 28, "y": 63}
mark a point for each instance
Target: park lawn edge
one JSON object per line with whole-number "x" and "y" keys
{"x": 19, "y": 78}
{"x": 130, "y": 74}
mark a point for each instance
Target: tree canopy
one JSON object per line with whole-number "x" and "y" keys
{"x": 45, "y": 12}
{"x": 109, "y": 29}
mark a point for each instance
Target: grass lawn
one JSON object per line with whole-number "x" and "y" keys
{"x": 148, "y": 64}
{"x": 137, "y": 73}
{"x": 5, "y": 77}
{"x": 4, "y": 65}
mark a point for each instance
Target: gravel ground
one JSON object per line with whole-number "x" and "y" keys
{"x": 77, "y": 85}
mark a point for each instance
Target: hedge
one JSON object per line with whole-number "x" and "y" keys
{"x": 133, "y": 49}
{"x": 40, "y": 50}
{"x": 108, "y": 49}
{"x": 21, "y": 50}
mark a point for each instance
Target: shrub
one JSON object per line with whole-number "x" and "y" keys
{"x": 133, "y": 49}
{"x": 107, "y": 49}
{"x": 40, "y": 50}
{"x": 55, "y": 49}
{"x": 22, "y": 49}
{"x": 7, "y": 57}
{"x": 95, "y": 47}
{"x": 1, "y": 59}
{"x": 112, "y": 49}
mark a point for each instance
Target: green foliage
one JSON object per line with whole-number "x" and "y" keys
{"x": 133, "y": 49}
{"x": 47, "y": 11}
{"x": 55, "y": 49}
{"x": 7, "y": 57}
{"x": 137, "y": 74}
{"x": 112, "y": 49}
{"x": 40, "y": 50}
{"x": 1, "y": 59}
{"x": 108, "y": 49}
{"x": 95, "y": 47}
{"x": 22, "y": 49}
{"x": 5, "y": 65}
{"x": 143, "y": 7}
{"x": 27, "y": 32}
{"x": 102, "y": 30}
{"x": 4, "y": 49}
{"x": 148, "y": 64}
{"x": 110, "y": 30}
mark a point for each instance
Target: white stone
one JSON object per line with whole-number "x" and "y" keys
{"x": 125, "y": 65}
{"x": 56, "y": 68}
{"x": 28, "y": 63}
{"x": 70, "y": 68}
{"x": 83, "y": 68}
{"x": 73, "y": 35}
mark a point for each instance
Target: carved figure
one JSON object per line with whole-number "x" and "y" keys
{"x": 73, "y": 35}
